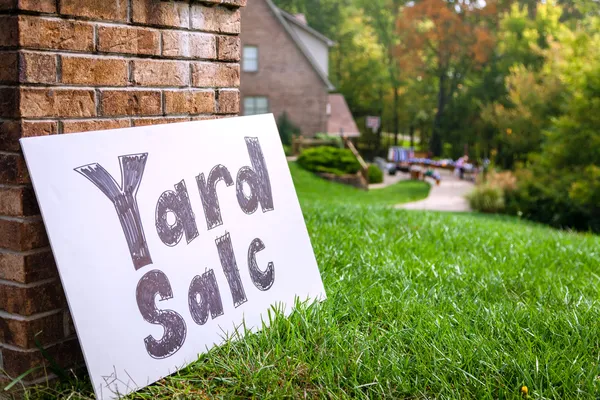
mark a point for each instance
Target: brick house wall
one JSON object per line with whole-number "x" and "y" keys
{"x": 78, "y": 65}
{"x": 284, "y": 74}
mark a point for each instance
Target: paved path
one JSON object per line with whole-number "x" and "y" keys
{"x": 389, "y": 180}
{"x": 448, "y": 196}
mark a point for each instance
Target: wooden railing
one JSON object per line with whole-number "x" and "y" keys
{"x": 364, "y": 167}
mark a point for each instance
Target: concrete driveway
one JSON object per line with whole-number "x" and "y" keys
{"x": 448, "y": 196}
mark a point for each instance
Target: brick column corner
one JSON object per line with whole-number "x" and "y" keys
{"x": 79, "y": 65}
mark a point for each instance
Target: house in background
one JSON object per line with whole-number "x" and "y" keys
{"x": 285, "y": 67}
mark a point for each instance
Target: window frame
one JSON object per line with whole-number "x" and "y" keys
{"x": 244, "y": 67}
{"x": 254, "y": 105}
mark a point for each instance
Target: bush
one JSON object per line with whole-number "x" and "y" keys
{"x": 487, "y": 199}
{"x": 286, "y": 128}
{"x": 375, "y": 174}
{"x": 506, "y": 180}
{"x": 335, "y": 140}
{"x": 562, "y": 184}
{"x": 564, "y": 200}
{"x": 329, "y": 159}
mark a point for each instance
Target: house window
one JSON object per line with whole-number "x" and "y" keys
{"x": 250, "y": 59}
{"x": 256, "y": 105}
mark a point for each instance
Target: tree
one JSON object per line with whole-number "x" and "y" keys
{"x": 445, "y": 41}
{"x": 529, "y": 57}
{"x": 381, "y": 16}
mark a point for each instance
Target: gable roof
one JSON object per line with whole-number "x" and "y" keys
{"x": 285, "y": 19}
{"x": 341, "y": 121}
{"x": 294, "y": 20}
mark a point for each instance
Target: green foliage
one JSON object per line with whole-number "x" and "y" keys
{"x": 336, "y": 140}
{"x": 286, "y": 128}
{"x": 375, "y": 174}
{"x": 329, "y": 159}
{"x": 562, "y": 184}
{"x": 447, "y": 151}
{"x": 487, "y": 199}
{"x": 287, "y": 149}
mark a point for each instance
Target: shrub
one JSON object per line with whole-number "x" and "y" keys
{"x": 487, "y": 199}
{"x": 329, "y": 159}
{"x": 564, "y": 200}
{"x": 335, "y": 140}
{"x": 505, "y": 180}
{"x": 375, "y": 174}
{"x": 286, "y": 128}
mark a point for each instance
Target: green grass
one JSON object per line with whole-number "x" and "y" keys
{"x": 420, "y": 305}
{"x": 311, "y": 188}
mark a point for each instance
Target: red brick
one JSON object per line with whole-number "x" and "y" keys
{"x": 8, "y": 4}
{"x": 9, "y": 31}
{"x": 131, "y": 102}
{"x": 106, "y": 10}
{"x": 163, "y": 13}
{"x": 215, "y": 75}
{"x": 12, "y": 131}
{"x": 38, "y": 128}
{"x": 158, "y": 121}
{"x": 22, "y": 234}
{"x": 229, "y": 48}
{"x": 215, "y": 19}
{"x": 42, "y": 102}
{"x": 161, "y": 73}
{"x": 24, "y": 332}
{"x": 238, "y": 3}
{"x": 44, "y": 33}
{"x": 32, "y": 299}
{"x": 18, "y": 201}
{"x": 9, "y": 64}
{"x": 13, "y": 169}
{"x": 44, "y": 6}
{"x": 190, "y": 102}
{"x": 184, "y": 44}
{"x": 27, "y": 267}
{"x": 37, "y": 68}
{"x": 94, "y": 125}
{"x": 8, "y": 102}
{"x": 94, "y": 71}
{"x": 229, "y": 101}
{"x": 66, "y": 354}
{"x": 120, "y": 39}
{"x": 207, "y": 117}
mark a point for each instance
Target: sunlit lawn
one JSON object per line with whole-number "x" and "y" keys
{"x": 420, "y": 305}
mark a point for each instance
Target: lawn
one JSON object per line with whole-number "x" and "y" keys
{"x": 420, "y": 305}
{"x": 311, "y": 188}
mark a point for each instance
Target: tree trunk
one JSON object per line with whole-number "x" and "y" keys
{"x": 396, "y": 117}
{"x": 380, "y": 129}
{"x": 435, "y": 145}
{"x": 411, "y": 132}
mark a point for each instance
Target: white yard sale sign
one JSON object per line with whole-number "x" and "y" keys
{"x": 169, "y": 237}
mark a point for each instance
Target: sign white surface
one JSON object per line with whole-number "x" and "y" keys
{"x": 373, "y": 122}
{"x": 168, "y": 237}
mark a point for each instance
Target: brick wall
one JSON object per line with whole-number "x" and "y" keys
{"x": 77, "y": 65}
{"x": 284, "y": 74}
